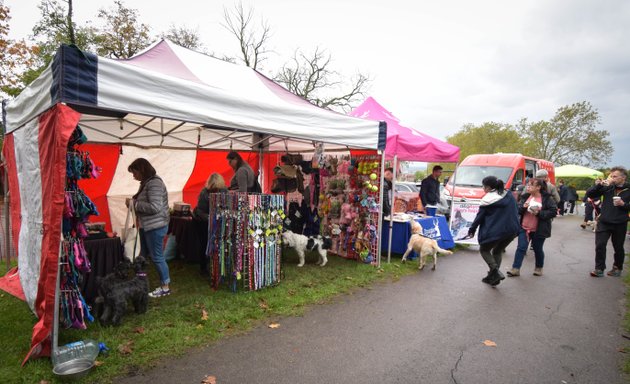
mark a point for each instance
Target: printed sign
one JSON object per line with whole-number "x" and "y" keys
{"x": 461, "y": 220}
{"x": 431, "y": 228}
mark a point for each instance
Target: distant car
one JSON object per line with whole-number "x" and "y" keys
{"x": 405, "y": 186}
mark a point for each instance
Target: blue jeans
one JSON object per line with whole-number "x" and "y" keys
{"x": 521, "y": 249}
{"x": 151, "y": 244}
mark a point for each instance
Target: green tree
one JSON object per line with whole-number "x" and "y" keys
{"x": 16, "y": 56}
{"x": 55, "y": 27}
{"x": 122, "y": 35}
{"x": 489, "y": 137}
{"x": 186, "y": 37}
{"x": 570, "y": 137}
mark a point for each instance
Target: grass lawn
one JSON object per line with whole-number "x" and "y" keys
{"x": 174, "y": 324}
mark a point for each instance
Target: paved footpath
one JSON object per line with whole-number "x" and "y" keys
{"x": 563, "y": 327}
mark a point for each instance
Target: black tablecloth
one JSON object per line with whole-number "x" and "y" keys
{"x": 104, "y": 255}
{"x": 189, "y": 234}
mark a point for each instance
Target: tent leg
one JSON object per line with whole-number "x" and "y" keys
{"x": 7, "y": 218}
{"x": 453, "y": 195}
{"x": 391, "y": 214}
{"x": 380, "y": 211}
{"x": 55, "y": 330}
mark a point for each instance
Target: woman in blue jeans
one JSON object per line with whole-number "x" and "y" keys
{"x": 151, "y": 205}
{"x": 536, "y": 208}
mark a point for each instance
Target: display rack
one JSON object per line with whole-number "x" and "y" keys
{"x": 244, "y": 240}
{"x": 71, "y": 310}
{"x": 349, "y": 204}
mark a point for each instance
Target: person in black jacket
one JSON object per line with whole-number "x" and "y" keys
{"x": 430, "y": 188}
{"x": 387, "y": 191}
{"x": 613, "y": 219}
{"x": 537, "y": 208}
{"x": 572, "y": 197}
{"x": 497, "y": 220}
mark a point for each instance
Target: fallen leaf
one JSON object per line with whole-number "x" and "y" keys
{"x": 44, "y": 382}
{"x": 622, "y": 350}
{"x": 98, "y": 363}
{"x": 349, "y": 278}
{"x": 548, "y": 307}
{"x": 204, "y": 315}
{"x": 209, "y": 380}
{"x": 274, "y": 325}
{"x": 291, "y": 292}
{"x": 126, "y": 348}
{"x": 263, "y": 304}
{"x": 139, "y": 330}
{"x": 489, "y": 343}
{"x": 199, "y": 326}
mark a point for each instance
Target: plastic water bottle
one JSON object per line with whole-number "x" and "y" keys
{"x": 85, "y": 349}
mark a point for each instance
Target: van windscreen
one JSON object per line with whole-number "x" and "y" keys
{"x": 471, "y": 175}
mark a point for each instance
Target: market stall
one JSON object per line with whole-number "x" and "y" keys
{"x": 405, "y": 144}
{"x": 168, "y": 103}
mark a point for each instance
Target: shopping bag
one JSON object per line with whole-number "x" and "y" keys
{"x": 130, "y": 236}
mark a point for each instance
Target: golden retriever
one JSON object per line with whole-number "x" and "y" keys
{"x": 424, "y": 246}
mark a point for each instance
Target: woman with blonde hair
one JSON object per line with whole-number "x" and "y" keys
{"x": 214, "y": 184}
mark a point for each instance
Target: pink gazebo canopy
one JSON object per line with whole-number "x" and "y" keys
{"x": 407, "y": 143}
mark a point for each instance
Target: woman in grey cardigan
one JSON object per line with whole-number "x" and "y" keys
{"x": 151, "y": 205}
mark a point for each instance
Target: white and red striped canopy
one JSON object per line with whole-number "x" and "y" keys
{"x": 171, "y": 105}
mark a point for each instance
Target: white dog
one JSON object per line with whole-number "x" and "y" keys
{"x": 424, "y": 247}
{"x": 302, "y": 243}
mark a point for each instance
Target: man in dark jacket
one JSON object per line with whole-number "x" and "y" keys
{"x": 613, "y": 219}
{"x": 388, "y": 195}
{"x": 563, "y": 192}
{"x": 430, "y": 188}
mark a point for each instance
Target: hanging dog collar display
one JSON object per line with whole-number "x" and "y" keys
{"x": 243, "y": 239}
{"x": 73, "y": 260}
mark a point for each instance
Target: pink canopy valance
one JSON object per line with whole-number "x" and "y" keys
{"x": 408, "y": 144}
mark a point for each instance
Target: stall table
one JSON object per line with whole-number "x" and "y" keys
{"x": 433, "y": 227}
{"x": 104, "y": 254}
{"x": 187, "y": 236}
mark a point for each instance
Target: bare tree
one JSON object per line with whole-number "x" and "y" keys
{"x": 238, "y": 22}
{"x": 311, "y": 78}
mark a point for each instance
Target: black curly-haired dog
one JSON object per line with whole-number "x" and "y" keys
{"x": 117, "y": 294}
{"x": 105, "y": 284}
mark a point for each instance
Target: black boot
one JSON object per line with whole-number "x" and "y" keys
{"x": 487, "y": 279}
{"x": 494, "y": 278}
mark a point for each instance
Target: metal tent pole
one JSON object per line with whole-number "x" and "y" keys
{"x": 391, "y": 213}
{"x": 55, "y": 330}
{"x": 453, "y": 195}
{"x": 380, "y": 211}
{"x": 7, "y": 218}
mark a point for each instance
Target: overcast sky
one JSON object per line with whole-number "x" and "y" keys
{"x": 436, "y": 65}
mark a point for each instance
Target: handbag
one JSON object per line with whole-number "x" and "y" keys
{"x": 130, "y": 235}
